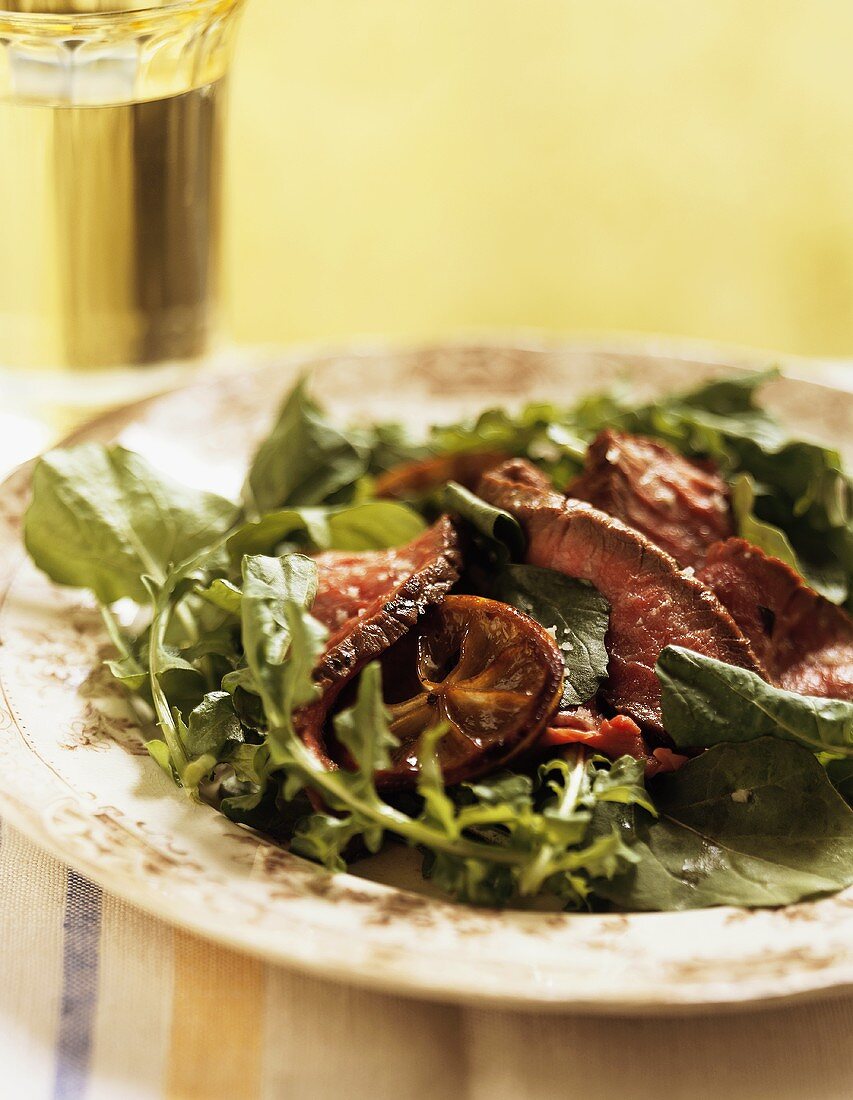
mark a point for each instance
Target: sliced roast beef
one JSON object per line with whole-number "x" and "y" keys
{"x": 804, "y": 641}
{"x": 614, "y": 737}
{"x": 415, "y": 479}
{"x": 368, "y": 601}
{"x": 653, "y": 604}
{"x": 682, "y": 507}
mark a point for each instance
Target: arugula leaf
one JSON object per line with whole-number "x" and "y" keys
{"x": 373, "y": 525}
{"x": 754, "y": 824}
{"x": 305, "y": 459}
{"x": 324, "y": 838}
{"x": 181, "y": 680}
{"x": 222, "y": 594}
{"x": 102, "y": 518}
{"x": 280, "y": 644}
{"x": 705, "y": 702}
{"x": 575, "y": 613}
{"x": 364, "y": 729}
{"x": 211, "y": 725}
{"x": 501, "y": 529}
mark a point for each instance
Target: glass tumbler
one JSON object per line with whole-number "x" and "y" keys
{"x": 111, "y": 146}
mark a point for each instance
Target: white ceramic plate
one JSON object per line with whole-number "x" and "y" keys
{"x": 74, "y": 777}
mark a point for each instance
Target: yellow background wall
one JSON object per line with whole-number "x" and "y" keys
{"x": 423, "y": 167}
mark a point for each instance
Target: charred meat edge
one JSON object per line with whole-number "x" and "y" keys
{"x": 370, "y": 635}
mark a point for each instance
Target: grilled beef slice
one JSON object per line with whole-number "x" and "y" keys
{"x": 653, "y": 604}
{"x": 614, "y": 737}
{"x": 368, "y": 601}
{"x": 680, "y": 506}
{"x": 804, "y": 641}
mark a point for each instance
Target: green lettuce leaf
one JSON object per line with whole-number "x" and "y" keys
{"x": 575, "y": 613}
{"x": 706, "y": 702}
{"x": 305, "y": 459}
{"x": 498, "y": 527}
{"x": 280, "y": 643}
{"x": 772, "y": 540}
{"x": 103, "y": 518}
{"x": 754, "y": 825}
{"x": 840, "y": 772}
{"x": 264, "y": 535}
{"x": 373, "y": 525}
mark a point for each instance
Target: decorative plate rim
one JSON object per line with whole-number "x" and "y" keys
{"x": 815, "y": 977}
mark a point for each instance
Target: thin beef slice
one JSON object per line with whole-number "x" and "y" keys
{"x": 679, "y": 505}
{"x": 653, "y": 604}
{"x": 368, "y": 601}
{"x": 804, "y": 641}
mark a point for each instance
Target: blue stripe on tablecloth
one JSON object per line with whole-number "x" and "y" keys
{"x": 82, "y": 929}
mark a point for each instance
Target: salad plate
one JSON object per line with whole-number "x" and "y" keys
{"x": 76, "y": 777}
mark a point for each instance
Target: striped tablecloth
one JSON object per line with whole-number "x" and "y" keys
{"x": 100, "y": 1001}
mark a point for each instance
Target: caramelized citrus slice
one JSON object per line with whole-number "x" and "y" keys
{"x": 489, "y": 672}
{"x": 415, "y": 479}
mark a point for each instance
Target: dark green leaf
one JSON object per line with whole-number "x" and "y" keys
{"x": 729, "y": 395}
{"x": 840, "y": 772}
{"x": 575, "y": 613}
{"x": 754, "y": 824}
{"x": 493, "y": 523}
{"x": 706, "y": 702}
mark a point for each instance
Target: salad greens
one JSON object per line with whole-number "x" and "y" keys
{"x": 755, "y": 824}
{"x": 575, "y": 613}
{"x": 706, "y": 702}
{"x": 225, "y": 647}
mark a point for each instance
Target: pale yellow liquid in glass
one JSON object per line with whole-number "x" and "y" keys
{"x": 111, "y": 134}
{"x": 111, "y": 224}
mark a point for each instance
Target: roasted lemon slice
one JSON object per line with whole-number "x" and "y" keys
{"x": 491, "y": 674}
